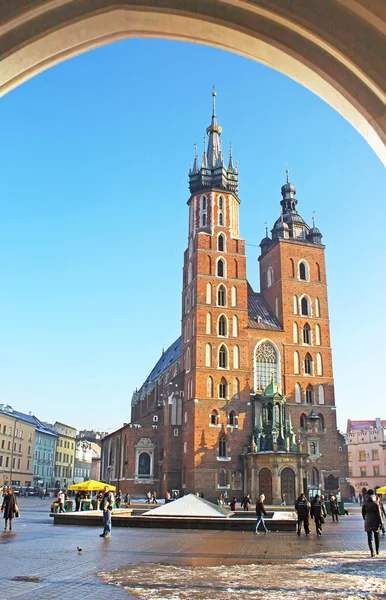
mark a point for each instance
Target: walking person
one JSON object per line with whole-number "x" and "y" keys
{"x": 148, "y": 497}
{"x": 371, "y": 513}
{"x": 302, "y": 507}
{"x": 61, "y": 502}
{"x": 232, "y": 503}
{"x": 334, "y": 508}
{"x": 318, "y": 513}
{"x": 154, "y": 497}
{"x": 283, "y": 500}
{"x": 246, "y": 502}
{"x": 260, "y": 514}
{"x": 383, "y": 513}
{"x": 106, "y": 506}
{"x": 118, "y": 499}
{"x": 9, "y": 508}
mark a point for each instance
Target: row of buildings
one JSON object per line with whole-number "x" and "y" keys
{"x": 38, "y": 454}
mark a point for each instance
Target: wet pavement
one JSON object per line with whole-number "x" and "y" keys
{"x": 40, "y": 560}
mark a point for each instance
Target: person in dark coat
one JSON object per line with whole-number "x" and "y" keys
{"x": 260, "y": 514}
{"x": 318, "y": 513}
{"x": 246, "y": 502}
{"x": 232, "y": 503}
{"x": 9, "y": 508}
{"x": 383, "y": 513}
{"x": 302, "y": 507}
{"x": 78, "y": 497}
{"x": 371, "y": 513}
{"x": 334, "y": 508}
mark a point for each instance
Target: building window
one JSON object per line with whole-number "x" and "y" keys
{"x": 376, "y": 471}
{"x": 317, "y": 307}
{"x": 208, "y": 355}
{"x": 188, "y": 361}
{"x": 295, "y": 333}
{"x": 270, "y": 277}
{"x": 236, "y": 388}
{"x": 296, "y": 363}
{"x": 235, "y": 326}
{"x": 321, "y": 394}
{"x": 314, "y": 477}
{"x": 303, "y": 271}
{"x": 222, "y": 447}
{"x": 321, "y": 423}
{"x": 214, "y": 417}
{"x": 298, "y": 393}
{"x": 305, "y": 306}
{"x": 210, "y": 387}
{"x": 220, "y": 267}
{"x": 306, "y": 334}
{"x": 234, "y": 296}
{"x": 308, "y": 364}
{"x": 349, "y": 457}
{"x": 318, "y": 337}
{"x": 222, "y": 388}
{"x": 310, "y": 394}
{"x": 222, "y": 478}
{"x": 375, "y": 454}
{"x": 208, "y": 293}
{"x": 236, "y": 357}
{"x": 266, "y": 365}
{"x": 292, "y": 268}
{"x": 303, "y": 421}
{"x": 313, "y": 448}
{"x": 221, "y": 243}
{"x": 363, "y": 471}
{"x": 319, "y": 364}
{"x": 318, "y": 271}
{"x": 296, "y": 305}
{"x": 221, "y": 296}
{"x": 362, "y": 455}
{"x": 222, "y": 326}
{"x": 223, "y": 357}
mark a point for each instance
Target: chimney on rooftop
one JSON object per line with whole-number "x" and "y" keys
{"x": 378, "y": 423}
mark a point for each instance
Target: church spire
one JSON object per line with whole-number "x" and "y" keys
{"x": 214, "y": 132}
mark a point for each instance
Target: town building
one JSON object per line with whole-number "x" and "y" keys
{"x": 17, "y": 431}
{"x": 64, "y": 454}
{"x": 44, "y": 453}
{"x": 243, "y": 401}
{"x": 85, "y": 453}
{"x": 366, "y": 442}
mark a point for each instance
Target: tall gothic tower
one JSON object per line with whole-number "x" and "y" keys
{"x": 214, "y": 322}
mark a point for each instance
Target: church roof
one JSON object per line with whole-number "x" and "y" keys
{"x": 260, "y": 315}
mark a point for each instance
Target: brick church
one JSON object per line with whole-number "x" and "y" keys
{"x": 243, "y": 401}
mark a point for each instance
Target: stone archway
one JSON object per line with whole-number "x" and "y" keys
{"x": 288, "y": 485}
{"x": 265, "y": 484}
{"x": 335, "y": 48}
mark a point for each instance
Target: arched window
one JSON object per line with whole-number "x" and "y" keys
{"x": 310, "y": 395}
{"x": 318, "y": 337}
{"x": 314, "y": 476}
{"x": 308, "y": 364}
{"x": 208, "y": 355}
{"x": 187, "y": 302}
{"x": 305, "y": 306}
{"x": 313, "y": 448}
{"x": 209, "y": 323}
{"x": 235, "y": 326}
{"x": 189, "y": 273}
{"x": 214, "y": 417}
{"x": 295, "y": 329}
{"x": 232, "y": 418}
{"x": 203, "y": 211}
{"x": 221, "y": 267}
{"x": 221, "y": 296}
{"x": 319, "y": 364}
{"x": 222, "y": 477}
{"x": 266, "y": 365}
{"x": 298, "y": 393}
{"x": 292, "y": 268}
{"x": 236, "y": 357}
{"x": 203, "y": 219}
{"x": 209, "y": 387}
{"x": 317, "y": 307}
{"x": 303, "y": 271}
{"x": 296, "y": 363}
{"x": 270, "y": 277}
{"x": 221, "y": 211}
{"x": 318, "y": 271}
{"x": 222, "y": 388}
{"x": 222, "y": 447}
{"x": 321, "y": 394}
{"x": 236, "y": 269}
{"x": 321, "y": 422}
{"x": 209, "y": 259}
{"x": 223, "y": 357}
{"x": 306, "y": 334}
{"x": 220, "y": 219}
{"x": 296, "y": 305}
{"x": 203, "y": 200}
{"x": 221, "y": 243}
{"x": 209, "y": 293}
{"x": 193, "y": 326}
{"x": 220, "y": 203}
{"x": 144, "y": 464}
{"x": 188, "y": 329}
{"x": 222, "y": 326}
{"x": 188, "y": 361}
{"x": 236, "y": 388}
{"x": 234, "y": 296}
{"x": 303, "y": 421}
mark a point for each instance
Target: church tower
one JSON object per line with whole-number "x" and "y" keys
{"x": 214, "y": 322}
{"x": 293, "y": 283}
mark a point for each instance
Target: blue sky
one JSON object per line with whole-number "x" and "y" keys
{"x": 93, "y": 187}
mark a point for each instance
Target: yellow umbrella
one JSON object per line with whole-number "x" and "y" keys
{"x": 381, "y": 490}
{"x": 91, "y": 486}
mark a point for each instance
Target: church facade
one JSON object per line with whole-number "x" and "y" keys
{"x": 243, "y": 401}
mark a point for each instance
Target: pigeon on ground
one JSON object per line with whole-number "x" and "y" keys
{"x": 79, "y": 549}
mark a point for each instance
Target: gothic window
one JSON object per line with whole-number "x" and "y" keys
{"x": 317, "y": 307}
{"x": 292, "y": 267}
{"x": 221, "y": 268}
{"x": 266, "y": 365}
{"x": 222, "y": 478}
{"x": 236, "y": 388}
{"x": 203, "y": 211}
{"x": 188, "y": 361}
{"x": 221, "y": 296}
{"x": 209, "y": 265}
{"x": 189, "y": 273}
{"x": 236, "y": 357}
{"x": 220, "y": 219}
{"x": 321, "y": 423}
{"x": 204, "y": 219}
{"x": 223, "y": 357}
{"x": 305, "y": 306}
{"x": 187, "y": 302}
{"x": 296, "y": 363}
{"x": 209, "y": 386}
{"x": 313, "y": 448}
{"x": 270, "y": 277}
{"x": 296, "y": 305}
{"x": 295, "y": 329}
{"x": 298, "y": 393}
{"x": 222, "y": 447}
{"x": 308, "y": 364}
{"x": 222, "y": 326}
{"x": 235, "y": 326}
{"x": 321, "y": 394}
{"x": 310, "y": 394}
{"x": 232, "y": 418}
{"x": 204, "y": 203}
{"x": 314, "y": 475}
{"x": 303, "y": 421}
{"x": 221, "y": 243}
{"x": 234, "y": 296}
{"x": 303, "y": 271}
{"x": 208, "y": 355}
{"x": 208, "y": 293}
{"x": 222, "y": 388}
{"x": 318, "y": 271}
{"x": 236, "y": 269}
{"x": 209, "y": 323}
{"x": 214, "y": 417}
{"x": 306, "y": 334}
{"x": 318, "y": 337}
{"x": 319, "y": 364}
{"x": 144, "y": 464}
{"x": 220, "y": 203}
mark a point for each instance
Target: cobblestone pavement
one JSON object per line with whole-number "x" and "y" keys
{"x": 40, "y": 560}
